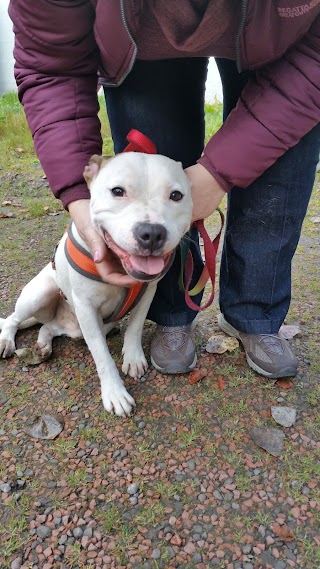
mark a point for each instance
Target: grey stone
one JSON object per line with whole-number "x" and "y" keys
{"x": 156, "y": 554}
{"x": 270, "y": 439}
{"x": 77, "y": 532}
{"x": 133, "y": 500}
{"x": 16, "y": 563}
{"x": 280, "y": 564}
{"x": 171, "y": 552}
{"x": 217, "y": 495}
{"x": 133, "y": 489}
{"x": 88, "y": 532}
{"x": 192, "y": 464}
{"x": 285, "y": 416}
{"x": 197, "y": 558}
{"x": 246, "y": 549}
{"x": 43, "y": 531}
{"x": 63, "y": 539}
{"x": 5, "y": 487}
{"x": 29, "y": 472}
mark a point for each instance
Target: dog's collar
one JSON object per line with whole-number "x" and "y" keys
{"x": 82, "y": 262}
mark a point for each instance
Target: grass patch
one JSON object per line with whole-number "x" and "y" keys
{"x": 16, "y": 144}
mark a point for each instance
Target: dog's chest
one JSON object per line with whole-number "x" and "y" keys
{"x": 111, "y": 302}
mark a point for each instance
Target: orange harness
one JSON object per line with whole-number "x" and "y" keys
{"x": 83, "y": 263}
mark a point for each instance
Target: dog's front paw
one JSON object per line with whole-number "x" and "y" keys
{"x": 118, "y": 401}
{"x": 7, "y": 347}
{"x": 135, "y": 364}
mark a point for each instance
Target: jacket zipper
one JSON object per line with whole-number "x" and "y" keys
{"x": 123, "y": 15}
{"x": 239, "y": 32}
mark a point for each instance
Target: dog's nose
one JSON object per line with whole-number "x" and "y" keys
{"x": 150, "y": 236}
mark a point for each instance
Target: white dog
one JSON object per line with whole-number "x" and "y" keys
{"x": 141, "y": 205}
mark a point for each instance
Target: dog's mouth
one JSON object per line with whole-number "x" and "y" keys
{"x": 141, "y": 267}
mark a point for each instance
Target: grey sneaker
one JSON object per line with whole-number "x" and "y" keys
{"x": 268, "y": 354}
{"x": 173, "y": 349}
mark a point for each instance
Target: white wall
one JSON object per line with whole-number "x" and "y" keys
{"x": 213, "y": 85}
{"x": 7, "y": 82}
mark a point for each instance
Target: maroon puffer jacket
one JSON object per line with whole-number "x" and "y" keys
{"x": 60, "y": 46}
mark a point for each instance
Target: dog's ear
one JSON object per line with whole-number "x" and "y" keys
{"x": 95, "y": 163}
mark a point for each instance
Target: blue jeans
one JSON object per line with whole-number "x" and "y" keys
{"x": 165, "y": 100}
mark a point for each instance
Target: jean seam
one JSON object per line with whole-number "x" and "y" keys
{"x": 279, "y": 250}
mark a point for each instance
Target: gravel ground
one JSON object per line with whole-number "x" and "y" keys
{"x": 181, "y": 484}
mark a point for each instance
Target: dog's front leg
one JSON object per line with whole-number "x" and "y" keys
{"x": 134, "y": 361}
{"x": 115, "y": 397}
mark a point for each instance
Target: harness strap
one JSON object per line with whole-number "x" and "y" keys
{"x": 83, "y": 263}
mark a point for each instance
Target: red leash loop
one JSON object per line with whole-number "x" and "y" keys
{"x": 138, "y": 142}
{"x": 209, "y": 270}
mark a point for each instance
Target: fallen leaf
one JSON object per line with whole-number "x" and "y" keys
{"x": 20, "y": 150}
{"x": 23, "y": 210}
{"x": 46, "y": 208}
{"x": 315, "y": 219}
{"x": 44, "y": 426}
{"x": 285, "y": 416}
{"x": 284, "y": 532}
{"x": 5, "y": 215}
{"x": 53, "y": 213}
{"x": 270, "y": 439}
{"x": 220, "y": 343}
{"x": 196, "y": 375}
{"x": 284, "y": 384}
{"x": 287, "y": 332}
{"x": 6, "y": 202}
{"x": 221, "y": 383}
{"x": 28, "y": 356}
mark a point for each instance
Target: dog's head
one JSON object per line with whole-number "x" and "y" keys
{"x": 141, "y": 205}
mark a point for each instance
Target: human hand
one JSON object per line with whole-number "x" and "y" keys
{"x": 108, "y": 265}
{"x": 205, "y": 190}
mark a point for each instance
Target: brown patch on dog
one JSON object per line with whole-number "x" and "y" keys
{"x": 95, "y": 164}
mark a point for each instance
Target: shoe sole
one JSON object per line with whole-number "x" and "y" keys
{"x": 174, "y": 369}
{"x": 231, "y": 331}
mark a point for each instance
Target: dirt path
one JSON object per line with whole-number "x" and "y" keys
{"x": 181, "y": 484}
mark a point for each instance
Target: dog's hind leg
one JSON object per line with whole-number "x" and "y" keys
{"x": 36, "y": 303}
{"x": 47, "y": 332}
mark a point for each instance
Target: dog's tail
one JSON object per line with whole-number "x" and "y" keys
{"x": 25, "y": 324}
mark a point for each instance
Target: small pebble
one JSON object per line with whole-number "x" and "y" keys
{"x": 156, "y": 554}
{"x": 88, "y": 532}
{"x": 5, "y": 488}
{"x": 133, "y": 489}
{"x": 43, "y": 531}
{"x": 16, "y": 563}
{"x": 77, "y": 532}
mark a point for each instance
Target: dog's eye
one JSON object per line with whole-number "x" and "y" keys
{"x": 176, "y": 196}
{"x": 118, "y": 192}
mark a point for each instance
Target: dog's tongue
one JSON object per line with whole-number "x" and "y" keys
{"x": 148, "y": 265}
